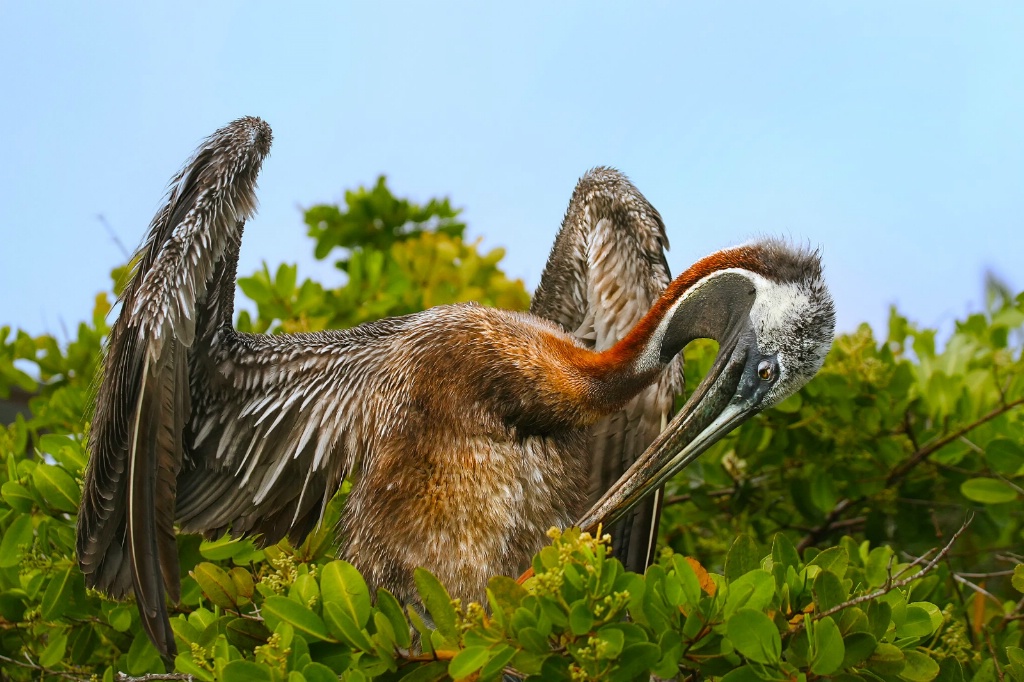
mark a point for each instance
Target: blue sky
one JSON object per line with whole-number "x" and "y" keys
{"x": 890, "y": 134}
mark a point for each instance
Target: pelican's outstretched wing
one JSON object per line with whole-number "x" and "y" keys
{"x": 125, "y": 525}
{"x": 606, "y": 270}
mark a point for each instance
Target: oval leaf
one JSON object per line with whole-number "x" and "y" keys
{"x": 57, "y": 487}
{"x": 18, "y": 535}
{"x": 828, "y": 591}
{"x": 343, "y": 628}
{"x": 438, "y": 603}
{"x": 468, "y": 661}
{"x": 392, "y": 609}
{"x": 282, "y": 609}
{"x": 245, "y": 671}
{"x": 580, "y": 618}
{"x": 828, "y": 646}
{"x": 988, "y": 491}
{"x": 216, "y": 584}
{"x": 342, "y": 584}
{"x": 55, "y": 599}
{"x": 755, "y": 636}
{"x": 920, "y": 667}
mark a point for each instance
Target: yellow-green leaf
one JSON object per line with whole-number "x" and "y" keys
{"x": 342, "y": 584}
{"x": 278, "y": 609}
{"x": 57, "y": 487}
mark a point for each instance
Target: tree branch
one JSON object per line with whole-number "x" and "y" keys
{"x": 900, "y": 472}
{"x": 45, "y": 671}
{"x": 825, "y": 526}
{"x": 891, "y": 585}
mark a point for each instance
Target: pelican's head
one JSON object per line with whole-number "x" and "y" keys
{"x": 767, "y": 305}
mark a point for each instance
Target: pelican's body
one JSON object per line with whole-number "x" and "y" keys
{"x": 466, "y": 486}
{"x": 467, "y": 431}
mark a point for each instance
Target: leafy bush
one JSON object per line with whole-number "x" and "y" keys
{"x": 820, "y": 523}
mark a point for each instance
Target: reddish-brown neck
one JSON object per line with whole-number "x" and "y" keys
{"x": 618, "y": 371}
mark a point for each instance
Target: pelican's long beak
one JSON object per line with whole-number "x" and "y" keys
{"x": 721, "y": 403}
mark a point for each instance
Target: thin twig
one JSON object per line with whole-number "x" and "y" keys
{"x": 900, "y": 472}
{"x": 979, "y": 589}
{"x": 825, "y": 525}
{"x": 46, "y": 671}
{"x": 891, "y": 585}
{"x": 153, "y": 677}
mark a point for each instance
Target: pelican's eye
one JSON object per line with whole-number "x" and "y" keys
{"x": 765, "y": 370}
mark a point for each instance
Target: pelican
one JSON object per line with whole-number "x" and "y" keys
{"x": 467, "y": 431}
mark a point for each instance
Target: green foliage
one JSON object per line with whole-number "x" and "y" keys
{"x": 809, "y": 519}
{"x": 400, "y": 258}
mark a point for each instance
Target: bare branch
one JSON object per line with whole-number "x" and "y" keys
{"x": 978, "y": 588}
{"x": 900, "y": 472}
{"x": 826, "y": 525}
{"x": 891, "y": 584}
{"x": 44, "y": 670}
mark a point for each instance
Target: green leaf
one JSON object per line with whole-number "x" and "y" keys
{"x": 834, "y": 559}
{"x": 688, "y": 581}
{"x": 54, "y": 651}
{"x": 57, "y": 487}
{"x": 506, "y": 592}
{"x": 828, "y": 646}
{"x": 879, "y": 618}
{"x": 753, "y": 590}
{"x": 877, "y": 566}
{"x": 19, "y": 534}
{"x": 988, "y": 490}
{"x": 245, "y": 671}
{"x": 742, "y": 557}
{"x": 255, "y": 288}
{"x": 143, "y": 657}
{"x": 637, "y": 659}
{"x": 55, "y": 599}
{"x": 421, "y": 628}
{"x": 755, "y": 636}
{"x": 341, "y": 583}
{"x": 318, "y": 672}
{"x": 581, "y": 620}
{"x": 392, "y": 609}
{"x": 246, "y": 634}
{"x": 279, "y": 609}
{"x": 17, "y": 496}
{"x": 344, "y": 628}
{"x": 918, "y": 622}
{"x": 783, "y": 551}
{"x": 933, "y": 612}
{"x": 216, "y": 584}
{"x": 501, "y": 655}
{"x": 950, "y": 670}
{"x": 437, "y": 602}
{"x": 65, "y": 450}
{"x": 744, "y": 673}
{"x": 1005, "y": 456}
{"x": 120, "y": 618}
{"x": 828, "y": 591}
{"x": 533, "y": 641}
{"x": 887, "y": 659}
{"x": 243, "y": 581}
{"x": 468, "y": 661}
{"x": 858, "y": 646}
{"x": 435, "y": 671}
{"x": 224, "y": 547}
{"x": 919, "y": 668}
{"x": 1018, "y": 578}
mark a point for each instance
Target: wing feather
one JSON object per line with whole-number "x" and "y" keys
{"x": 125, "y": 525}
{"x": 606, "y": 270}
